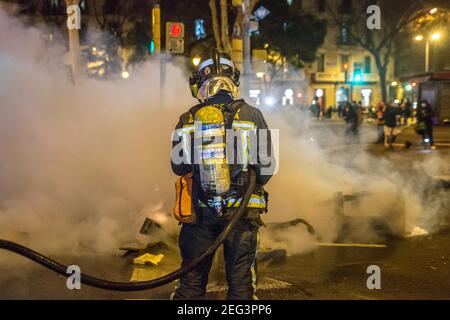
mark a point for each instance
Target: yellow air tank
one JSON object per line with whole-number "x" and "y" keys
{"x": 214, "y": 171}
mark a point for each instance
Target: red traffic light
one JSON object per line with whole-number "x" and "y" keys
{"x": 175, "y": 30}
{"x": 345, "y": 66}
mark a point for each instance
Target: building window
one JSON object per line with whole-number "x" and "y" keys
{"x": 344, "y": 35}
{"x": 367, "y": 64}
{"x": 321, "y": 5}
{"x": 345, "y": 7}
{"x": 321, "y": 63}
{"x": 344, "y": 61}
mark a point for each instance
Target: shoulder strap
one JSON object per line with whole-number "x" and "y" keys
{"x": 235, "y": 106}
{"x": 194, "y": 109}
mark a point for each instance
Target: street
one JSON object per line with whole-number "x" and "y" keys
{"x": 137, "y": 138}
{"x": 415, "y": 267}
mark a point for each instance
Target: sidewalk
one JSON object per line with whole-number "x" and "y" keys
{"x": 441, "y": 136}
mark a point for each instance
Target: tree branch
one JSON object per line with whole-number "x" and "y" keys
{"x": 100, "y": 23}
{"x": 224, "y": 21}
{"x": 215, "y": 23}
{"x": 401, "y": 24}
{"x": 357, "y": 38}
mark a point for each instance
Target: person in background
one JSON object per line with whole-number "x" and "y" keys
{"x": 359, "y": 113}
{"x": 351, "y": 118}
{"x": 329, "y": 112}
{"x": 407, "y": 112}
{"x": 315, "y": 108}
{"x": 390, "y": 124}
{"x": 379, "y": 121}
{"x": 425, "y": 115}
{"x": 340, "y": 110}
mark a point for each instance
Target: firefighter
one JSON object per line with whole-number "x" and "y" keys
{"x": 215, "y": 84}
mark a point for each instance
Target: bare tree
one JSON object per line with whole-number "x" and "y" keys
{"x": 221, "y": 34}
{"x": 215, "y": 24}
{"x": 101, "y": 19}
{"x": 224, "y": 22}
{"x": 397, "y": 16}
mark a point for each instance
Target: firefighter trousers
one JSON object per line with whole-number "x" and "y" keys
{"x": 239, "y": 254}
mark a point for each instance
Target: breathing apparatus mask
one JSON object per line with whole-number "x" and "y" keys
{"x": 214, "y": 74}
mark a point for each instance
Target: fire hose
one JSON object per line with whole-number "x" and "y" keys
{"x": 141, "y": 285}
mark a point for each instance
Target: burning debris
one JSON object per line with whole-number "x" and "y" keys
{"x": 152, "y": 247}
{"x": 149, "y": 259}
{"x": 292, "y": 223}
{"x": 148, "y": 226}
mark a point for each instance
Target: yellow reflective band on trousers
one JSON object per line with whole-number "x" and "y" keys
{"x": 253, "y": 270}
{"x": 256, "y": 202}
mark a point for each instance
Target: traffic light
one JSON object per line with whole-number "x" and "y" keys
{"x": 357, "y": 75}
{"x": 151, "y": 47}
{"x": 175, "y": 37}
{"x": 345, "y": 66}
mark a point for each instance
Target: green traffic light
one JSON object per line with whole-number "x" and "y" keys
{"x": 151, "y": 47}
{"x": 357, "y": 77}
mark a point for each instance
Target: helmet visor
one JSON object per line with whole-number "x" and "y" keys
{"x": 212, "y": 86}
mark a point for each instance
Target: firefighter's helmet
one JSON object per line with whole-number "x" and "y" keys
{"x": 214, "y": 74}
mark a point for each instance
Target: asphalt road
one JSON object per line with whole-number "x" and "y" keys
{"x": 411, "y": 268}
{"x": 414, "y": 268}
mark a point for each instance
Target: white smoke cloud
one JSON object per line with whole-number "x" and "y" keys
{"x": 312, "y": 171}
{"x": 80, "y": 166}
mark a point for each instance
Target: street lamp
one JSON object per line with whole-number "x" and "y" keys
{"x": 125, "y": 74}
{"x": 319, "y": 93}
{"x": 434, "y": 37}
{"x": 196, "y": 61}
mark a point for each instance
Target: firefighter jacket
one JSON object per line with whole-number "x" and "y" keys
{"x": 252, "y": 143}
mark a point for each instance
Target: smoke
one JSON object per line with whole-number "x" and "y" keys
{"x": 82, "y": 166}
{"x": 317, "y": 161}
